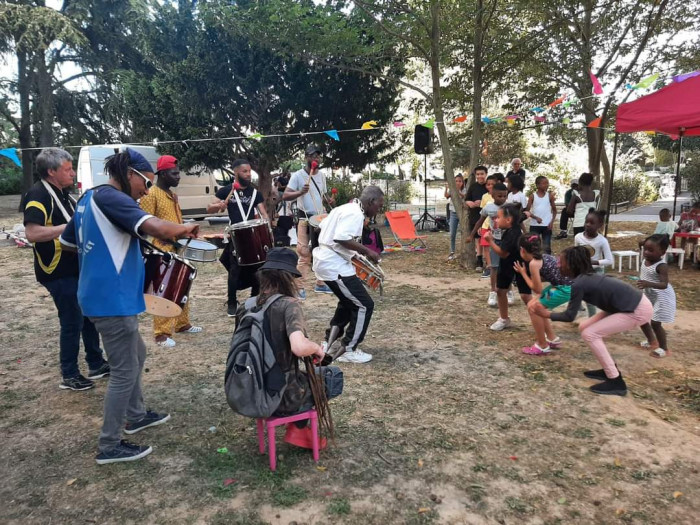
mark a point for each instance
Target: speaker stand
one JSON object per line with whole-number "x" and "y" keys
{"x": 425, "y": 216}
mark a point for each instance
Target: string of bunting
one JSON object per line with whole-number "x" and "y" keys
{"x": 537, "y": 114}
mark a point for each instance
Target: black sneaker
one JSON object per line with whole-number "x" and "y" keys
{"x": 101, "y": 372}
{"x": 151, "y": 419}
{"x": 124, "y": 451}
{"x": 596, "y": 374}
{"x": 76, "y": 383}
{"x": 611, "y": 387}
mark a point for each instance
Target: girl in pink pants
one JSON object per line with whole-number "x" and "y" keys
{"x": 622, "y": 308}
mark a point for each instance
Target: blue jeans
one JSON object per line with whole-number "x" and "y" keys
{"x": 546, "y": 236}
{"x": 65, "y": 296}
{"x": 454, "y": 225}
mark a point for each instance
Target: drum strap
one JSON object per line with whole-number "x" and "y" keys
{"x": 240, "y": 206}
{"x": 58, "y": 202}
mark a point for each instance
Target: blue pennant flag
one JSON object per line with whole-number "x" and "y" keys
{"x": 11, "y": 153}
{"x": 333, "y": 134}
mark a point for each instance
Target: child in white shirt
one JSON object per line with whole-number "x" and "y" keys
{"x": 602, "y": 255}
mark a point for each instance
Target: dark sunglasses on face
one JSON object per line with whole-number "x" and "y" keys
{"x": 146, "y": 180}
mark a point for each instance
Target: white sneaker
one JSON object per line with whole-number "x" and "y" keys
{"x": 511, "y": 297}
{"x": 493, "y": 299}
{"x": 167, "y": 343}
{"x": 501, "y": 324}
{"x": 356, "y": 356}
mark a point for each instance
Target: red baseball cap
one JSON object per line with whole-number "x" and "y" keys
{"x": 166, "y": 162}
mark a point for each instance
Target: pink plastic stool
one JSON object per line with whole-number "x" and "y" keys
{"x": 273, "y": 422}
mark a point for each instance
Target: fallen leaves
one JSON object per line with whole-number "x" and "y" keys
{"x": 420, "y": 463}
{"x": 423, "y": 510}
{"x": 618, "y": 463}
{"x": 619, "y": 512}
{"x": 321, "y": 469}
{"x": 677, "y": 494}
{"x": 561, "y": 501}
{"x": 71, "y": 481}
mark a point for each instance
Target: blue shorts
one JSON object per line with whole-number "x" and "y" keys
{"x": 554, "y": 296}
{"x": 495, "y": 258}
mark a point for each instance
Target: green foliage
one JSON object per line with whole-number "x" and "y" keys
{"x": 633, "y": 187}
{"x": 10, "y": 177}
{"x": 346, "y": 188}
{"x": 338, "y": 507}
{"x": 691, "y": 172}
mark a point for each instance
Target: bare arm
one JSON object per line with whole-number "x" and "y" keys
{"x": 216, "y": 206}
{"x": 302, "y": 346}
{"x": 38, "y": 233}
{"x": 167, "y": 230}
{"x": 662, "y": 270}
{"x": 263, "y": 211}
{"x": 533, "y": 279}
{"x": 476, "y": 228}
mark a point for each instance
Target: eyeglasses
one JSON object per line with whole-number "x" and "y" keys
{"x": 146, "y": 180}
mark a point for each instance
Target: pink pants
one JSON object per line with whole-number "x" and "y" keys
{"x": 603, "y": 324}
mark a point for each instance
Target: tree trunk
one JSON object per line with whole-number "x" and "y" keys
{"x": 46, "y": 109}
{"x": 25, "y": 129}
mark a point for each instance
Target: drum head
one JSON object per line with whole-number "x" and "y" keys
{"x": 248, "y": 224}
{"x": 197, "y": 245}
{"x": 161, "y": 307}
{"x": 316, "y": 220}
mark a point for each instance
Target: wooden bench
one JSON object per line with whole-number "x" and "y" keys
{"x": 614, "y": 206}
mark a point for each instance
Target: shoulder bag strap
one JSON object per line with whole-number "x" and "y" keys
{"x": 58, "y": 201}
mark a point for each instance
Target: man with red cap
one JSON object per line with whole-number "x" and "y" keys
{"x": 162, "y": 202}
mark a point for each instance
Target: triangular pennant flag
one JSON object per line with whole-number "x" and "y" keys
{"x": 512, "y": 117}
{"x": 430, "y": 124}
{"x": 597, "y": 88}
{"x": 496, "y": 120}
{"x": 650, "y": 132}
{"x": 566, "y": 120}
{"x": 510, "y": 121}
{"x": 595, "y": 123}
{"x": 540, "y": 119}
{"x": 629, "y": 86}
{"x": 647, "y": 82}
{"x": 569, "y": 102}
{"x": 11, "y": 153}
{"x": 463, "y": 118}
{"x": 369, "y": 124}
{"x": 255, "y": 136}
{"x": 486, "y": 120}
{"x": 686, "y": 76}
{"x": 332, "y": 134}
{"x": 557, "y": 101}
{"x": 537, "y": 110}
{"x": 399, "y": 124}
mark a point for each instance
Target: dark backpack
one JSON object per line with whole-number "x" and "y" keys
{"x": 372, "y": 239}
{"x": 254, "y": 382}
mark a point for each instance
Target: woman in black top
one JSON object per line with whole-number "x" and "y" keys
{"x": 622, "y": 308}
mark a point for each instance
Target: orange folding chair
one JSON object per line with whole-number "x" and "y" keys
{"x": 404, "y": 230}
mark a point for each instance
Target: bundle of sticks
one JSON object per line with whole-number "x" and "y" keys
{"x": 318, "y": 391}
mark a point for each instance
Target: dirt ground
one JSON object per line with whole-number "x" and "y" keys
{"x": 450, "y": 423}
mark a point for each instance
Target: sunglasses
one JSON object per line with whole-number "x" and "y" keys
{"x": 146, "y": 180}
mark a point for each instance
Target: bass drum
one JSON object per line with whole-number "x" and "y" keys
{"x": 251, "y": 241}
{"x": 167, "y": 285}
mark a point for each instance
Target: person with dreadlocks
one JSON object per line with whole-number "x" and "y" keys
{"x": 622, "y": 308}
{"x": 304, "y": 388}
{"x": 105, "y": 230}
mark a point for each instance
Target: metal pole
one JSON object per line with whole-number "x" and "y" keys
{"x": 608, "y": 190}
{"x": 678, "y": 172}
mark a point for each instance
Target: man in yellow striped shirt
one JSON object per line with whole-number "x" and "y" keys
{"x": 48, "y": 208}
{"x": 161, "y": 202}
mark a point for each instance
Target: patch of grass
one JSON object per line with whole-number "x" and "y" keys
{"x": 517, "y": 505}
{"x": 228, "y": 517}
{"x": 583, "y": 433}
{"x": 615, "y": 422}
{"x": 289, "y": 495}
{"x": 480, "y": 467}
{"x": 642, "y": 475}
{"x": 338, "y": 507}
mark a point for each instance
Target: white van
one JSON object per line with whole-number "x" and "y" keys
{"x": 194, "y": 192}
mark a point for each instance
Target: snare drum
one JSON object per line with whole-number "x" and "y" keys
{"x": 251, "y": 241}
{"x": 195, "y": 250}
{"x": 370, "y": 274}
{"x": 167, "y": 285}
{"x": 315, "y": 220}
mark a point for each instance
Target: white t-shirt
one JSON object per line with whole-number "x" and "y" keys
{"x": 312, "y": 201}
{"x": 602, "y": 254}
{"x": 519, "y": 197}
{"x": 668, "y": 227}
{"x": 344, "y": 223}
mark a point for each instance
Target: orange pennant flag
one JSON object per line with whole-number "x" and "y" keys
{"x": 558, "y": 101}
{"x": 595, "y": 123}
{"x": 463, "y": 118}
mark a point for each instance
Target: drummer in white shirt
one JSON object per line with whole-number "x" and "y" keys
{"x": 339, "y": 240}
{"x": 308, "y": 187}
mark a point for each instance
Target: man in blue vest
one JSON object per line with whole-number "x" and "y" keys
{"x": 105, "y": 231}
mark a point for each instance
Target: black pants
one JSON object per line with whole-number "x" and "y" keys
{"x": 564, "y": 220}
{"x": 354, "y": 310}
{"x": 239, "y": 277}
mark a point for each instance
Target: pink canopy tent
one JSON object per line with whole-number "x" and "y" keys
{"x": 673, "y": 110}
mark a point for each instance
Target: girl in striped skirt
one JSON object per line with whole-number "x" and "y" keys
{"x": 653, "y": 279}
